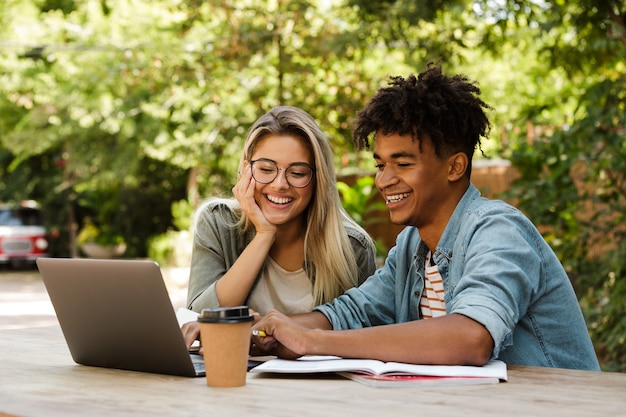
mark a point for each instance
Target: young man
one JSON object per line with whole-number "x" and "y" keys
{"x": 469, "y": 279}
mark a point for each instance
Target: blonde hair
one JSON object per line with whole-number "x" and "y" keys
{"x": 328, "y": 255}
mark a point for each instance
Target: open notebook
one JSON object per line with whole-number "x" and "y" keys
{"x": 386, "y": 374}
{"x": 118, "y": 314}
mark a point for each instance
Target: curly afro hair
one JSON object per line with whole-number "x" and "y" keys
{"x": 445, "y": 109}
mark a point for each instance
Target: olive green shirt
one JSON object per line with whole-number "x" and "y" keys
{"x": 218, "y": 243}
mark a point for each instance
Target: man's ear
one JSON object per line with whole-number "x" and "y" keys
{"x": 457, "y": 166}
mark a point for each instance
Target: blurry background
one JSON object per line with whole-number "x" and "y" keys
{"x": 119, "y": 116}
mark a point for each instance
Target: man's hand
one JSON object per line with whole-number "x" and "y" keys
{"x": 284, "y": 337}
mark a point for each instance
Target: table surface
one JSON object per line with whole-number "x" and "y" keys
{"x": 39, "y": 378}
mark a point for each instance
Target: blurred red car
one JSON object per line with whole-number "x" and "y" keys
{"x": 22, "y": 234}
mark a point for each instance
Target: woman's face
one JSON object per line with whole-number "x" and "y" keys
{"x": 281, "y": 202}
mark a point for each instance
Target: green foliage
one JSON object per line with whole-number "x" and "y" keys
{"x": 605, "y": 312}
{"x": 418, "y": 27}
{"x": 358, "y": 201}
{"x": 173, "y": 248}
{"x": 161, "y": 248}
{"x": 182, "y": 214}
{"x": 90, "y": 233}
{"x": 104, "y": 92}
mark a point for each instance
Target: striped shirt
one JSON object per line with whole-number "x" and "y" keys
{"x": 432, "y": 303}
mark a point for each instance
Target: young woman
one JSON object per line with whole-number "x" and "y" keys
{"x": 284, "y": 242}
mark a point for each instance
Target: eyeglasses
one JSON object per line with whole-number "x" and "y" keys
{"x": 298, "y": 175}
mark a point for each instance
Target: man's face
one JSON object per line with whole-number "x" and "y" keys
{"x": 414, "y": 183}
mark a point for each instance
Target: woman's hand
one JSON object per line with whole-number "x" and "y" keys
{"x": 191, "y": 333}
{"x": 244, "y": 193}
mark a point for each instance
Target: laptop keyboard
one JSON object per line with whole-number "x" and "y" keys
{"x": 198, "y": 362}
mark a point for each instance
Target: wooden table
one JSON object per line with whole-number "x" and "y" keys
{"x": 39, "y": 378}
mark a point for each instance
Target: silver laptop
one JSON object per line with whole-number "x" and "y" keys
{"x": 118, "y": 314}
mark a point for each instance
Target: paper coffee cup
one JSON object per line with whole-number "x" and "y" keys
{"x": 225, "y": 338}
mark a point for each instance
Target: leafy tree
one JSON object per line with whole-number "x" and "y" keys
{"x": 78, "y": 103}
{"x": 106, "y": 90}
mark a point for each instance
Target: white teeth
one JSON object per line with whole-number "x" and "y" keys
{"x": 397, "y": 197}
{"x": 277, "y": 200}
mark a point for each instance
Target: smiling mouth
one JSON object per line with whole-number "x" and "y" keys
{"x": 278, "y": 200}
{"x": 396, "y": 197}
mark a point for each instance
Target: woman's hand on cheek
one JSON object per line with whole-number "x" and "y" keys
{"x": 244, "y": 192}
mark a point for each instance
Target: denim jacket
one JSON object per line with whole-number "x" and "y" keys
{"x": 498, "y": 270}
{"x": 218, "y": 243}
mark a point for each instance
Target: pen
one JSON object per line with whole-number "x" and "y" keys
{"x": 260, "y": 333}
